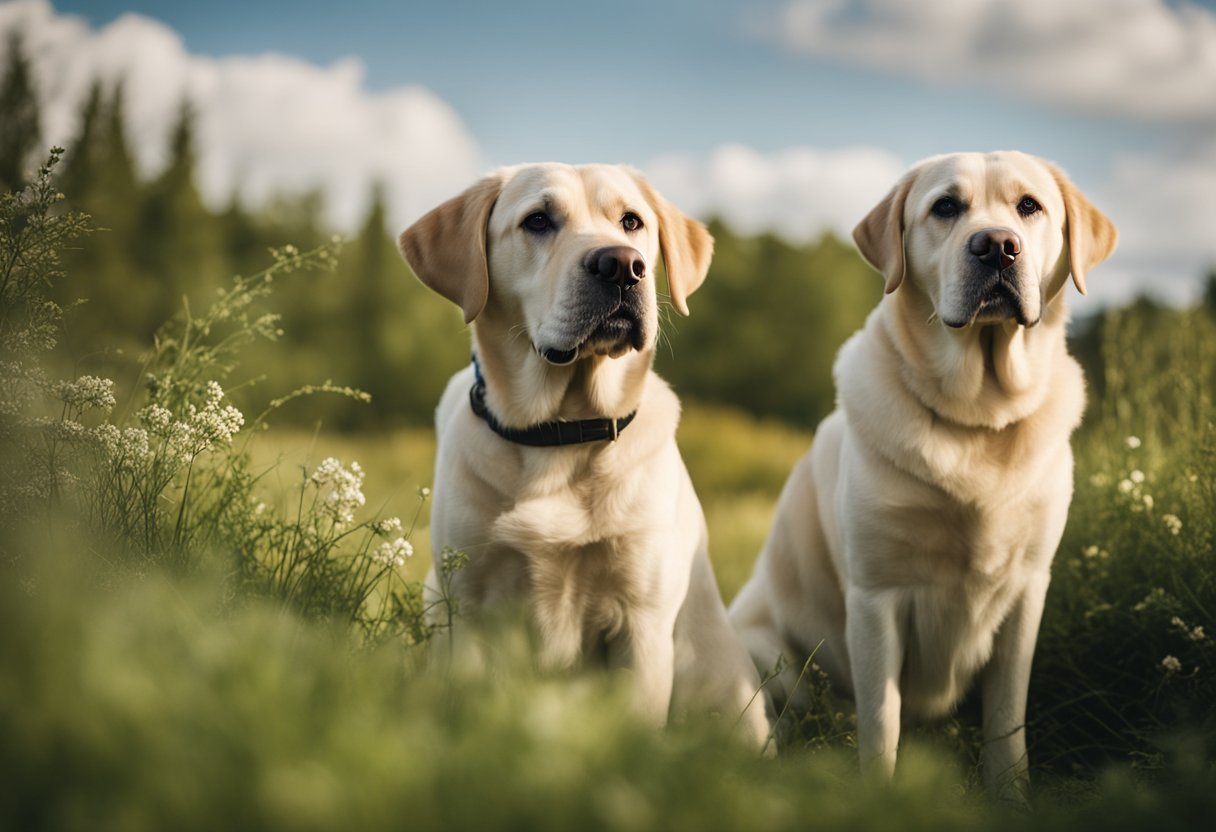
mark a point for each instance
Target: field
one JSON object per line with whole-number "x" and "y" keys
{"x": 205, "y": 623}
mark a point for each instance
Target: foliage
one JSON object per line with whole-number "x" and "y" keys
{"x": 764, "y": 329}
{"x": 167, "y": 480}
{"x": 20, "y": 129}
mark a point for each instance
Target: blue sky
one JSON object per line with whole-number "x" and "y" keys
{"x": 821, "y": 102}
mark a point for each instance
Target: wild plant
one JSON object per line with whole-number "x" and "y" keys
{"x": 167, "y": 478}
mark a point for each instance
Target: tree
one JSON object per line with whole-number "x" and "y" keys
{"x": 20, "y": 126}
{"x": 179, "y": 240}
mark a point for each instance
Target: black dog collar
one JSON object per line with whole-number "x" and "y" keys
{"x": 546, "y": 434}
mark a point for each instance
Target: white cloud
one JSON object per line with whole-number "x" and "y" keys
{"x": 1144, "y": 59}
{"x": 798, "y": 193}
{"x": 1165, "y": 211}
{"x": 266, "y": 125}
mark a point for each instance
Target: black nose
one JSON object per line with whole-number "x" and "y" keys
{"x": 621, "y": 265}
{"x": 996, "y": 248}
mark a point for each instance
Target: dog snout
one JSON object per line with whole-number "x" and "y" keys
{"x": 620, "y": 265}
{"x": 996, "y": 248}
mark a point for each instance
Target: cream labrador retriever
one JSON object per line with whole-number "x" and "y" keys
{"x": 557, "y": 470}
{"x": 915, "y": 538}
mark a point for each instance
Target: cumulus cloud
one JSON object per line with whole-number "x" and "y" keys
{"x": 798, "y": 193}
{"x": 1145, "y": 59}
{"x": 1165, "y": 211}
{"x": 268, "y": 124}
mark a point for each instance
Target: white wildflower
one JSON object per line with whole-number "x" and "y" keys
{"x": 1197, "y": 634}
{"x": 1172, "y": 522}
{"x": 1171, "y": 664}
{"x": 1148, "y": 501}
{"x": 424, "y": 493}
{"x": 214, "y": 424}
{"x": 87, "y": 392}
{"x": 342, "y": 488}
{"x": 394, "y": 553}
{"x": 1090, "y": 551}
{"x": 156, "y": 419}
{"x": 67, "y": 430}
{"x": 387, "y": 527}
{"x": 1136, "y": 476}
{"x": 1126, "y": 486}
{"x": 1133, "y": 442}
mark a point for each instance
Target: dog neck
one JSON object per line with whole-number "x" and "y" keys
{"x": 523, "y": 390}
{"x": 983, "y": 375}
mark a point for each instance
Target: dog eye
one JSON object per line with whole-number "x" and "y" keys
{"x": 947, "y": 207}
{"x": 1028, "y": 206}
{"x": 631, "y": 221}
{"x": 538, "y": 222}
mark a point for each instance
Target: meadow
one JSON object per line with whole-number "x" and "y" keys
{"x": 210, "y": 617}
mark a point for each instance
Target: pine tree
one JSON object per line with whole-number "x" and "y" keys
{"x": 20, "y": 126}
{"x": 80, "y": 167}
{"x": 179, "y": 240}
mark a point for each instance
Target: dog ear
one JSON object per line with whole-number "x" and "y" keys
{"x": 1091, "y": 234}
{"x": 447, "y": 247}
{"x": 687, "y": 246}
{"x": 880, "y": 236}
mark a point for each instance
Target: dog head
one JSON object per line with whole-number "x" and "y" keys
{"x": 988, "y": 238}
{"x": 561, "y": 255}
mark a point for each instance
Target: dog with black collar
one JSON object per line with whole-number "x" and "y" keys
{"x": 557, "y": 471}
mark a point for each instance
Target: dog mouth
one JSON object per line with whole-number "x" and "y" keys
{"x": 994, "y": 299}
{"x": 613, "y": 333}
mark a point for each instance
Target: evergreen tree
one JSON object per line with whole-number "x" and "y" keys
{"x": 20, "y": 127}
{"x": 179, "y": 245}
{"x": 100, "y": 178}
{"x": 80, "y": 167}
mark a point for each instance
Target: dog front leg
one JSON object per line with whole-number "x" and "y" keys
{"x": 1005, "y": 682}
{"x": 652, "y": 661}
{"x": 876, "y": 655}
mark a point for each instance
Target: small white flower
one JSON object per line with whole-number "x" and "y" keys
{"x": 1090, "y": 551}
{"x": 387, "y": 527}
{"x": 1148, "y": 501}
{"x": 424, "y": 492}
{"x": 156, "y": 419}
{"x": 343, "y": 490}
{"x": 1133, "y": 442}
{"x": 1126, "y": 486}
{"x": 1172, "y": 522}
{"x": 1171, "y": 664}
{"x": 394, "y": 553}
{"x": 88, "y": 392}
{"x": 1136, "y": 476}
{"x": 1197, "y": 634}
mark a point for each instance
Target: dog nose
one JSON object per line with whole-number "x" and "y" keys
{"x": 996, "y": 248}
{"x": 621, "y": 265}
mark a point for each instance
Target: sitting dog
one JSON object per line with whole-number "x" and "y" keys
{"x": 557, "y": 471}
{"x": 913, "y": 543}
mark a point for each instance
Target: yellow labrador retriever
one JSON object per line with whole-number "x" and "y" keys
{"x": 915, "y": 538}
{"x": 557, "y": 469}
